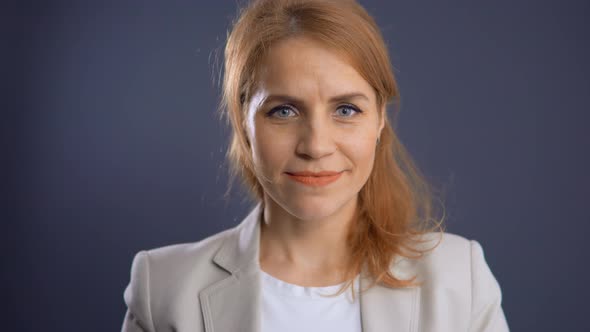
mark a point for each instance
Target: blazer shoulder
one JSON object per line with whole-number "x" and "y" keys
{"x": 190, "y": 252}
{"x": 459, "y": 266}
{"x": 167, "y": 279}
{"x": 450, "y": 247}
{"x": 175, "y": 269}
{"x": 453, "y": 253}
{"x": 447, "y": 258}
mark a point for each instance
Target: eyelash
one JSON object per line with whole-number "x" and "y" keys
{"x": 291, "y": 108}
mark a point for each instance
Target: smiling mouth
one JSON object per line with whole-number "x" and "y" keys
{"x": 315, "y": 179}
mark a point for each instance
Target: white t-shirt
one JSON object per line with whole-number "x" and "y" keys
{"x": 292, "y": 308}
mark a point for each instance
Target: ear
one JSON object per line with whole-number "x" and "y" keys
{"x": 382, "y": 115}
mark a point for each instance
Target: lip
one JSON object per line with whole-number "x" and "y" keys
{"x": 315, "y": 179}
{"x": 309, "y": 173}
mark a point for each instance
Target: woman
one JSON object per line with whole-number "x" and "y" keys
{"x": 339, "y": 239}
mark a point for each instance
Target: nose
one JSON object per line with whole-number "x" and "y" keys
{"x": 316, "y": 140}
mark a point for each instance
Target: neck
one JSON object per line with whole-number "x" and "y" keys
{"x": 318, "y": 245}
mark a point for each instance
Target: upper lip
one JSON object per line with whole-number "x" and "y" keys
{"x": 309, "y": 173}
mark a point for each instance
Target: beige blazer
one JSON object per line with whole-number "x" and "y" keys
{"x": 213, "y": 285}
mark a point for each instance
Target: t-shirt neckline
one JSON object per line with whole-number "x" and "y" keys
{"x": 292, "y": 290}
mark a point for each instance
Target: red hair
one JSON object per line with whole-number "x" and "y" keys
{"x": 395, "y": 205}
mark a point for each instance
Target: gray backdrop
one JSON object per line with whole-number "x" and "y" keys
{"x": 118, "y": 147}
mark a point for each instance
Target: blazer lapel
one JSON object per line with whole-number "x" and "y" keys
{"x": 386, "y": 309}
{"x": 232, "y": 304}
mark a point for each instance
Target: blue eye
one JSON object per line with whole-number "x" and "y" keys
{"x": 281, "y": 112}
{"x": 286, "y": 111}
{"x": 348, "y": 111}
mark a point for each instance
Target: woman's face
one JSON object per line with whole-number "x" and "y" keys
{"x": 312, "y": 112}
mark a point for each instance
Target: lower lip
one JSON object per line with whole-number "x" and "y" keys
{"x": 315, "y": 181}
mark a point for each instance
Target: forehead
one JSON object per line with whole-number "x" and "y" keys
{"x": 304, "y": 67}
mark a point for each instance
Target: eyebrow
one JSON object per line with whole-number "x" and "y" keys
{"x": 295, "y": 100}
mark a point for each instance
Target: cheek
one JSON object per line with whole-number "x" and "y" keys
{"x": 360, "y": 147}
{"x": 270, "y": 148}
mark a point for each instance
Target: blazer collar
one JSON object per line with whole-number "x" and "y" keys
{"x": 232, "y": 304}
{"x": 240, "y": 251}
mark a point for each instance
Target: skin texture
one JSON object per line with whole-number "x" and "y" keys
{"x": 304, "y": 229}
